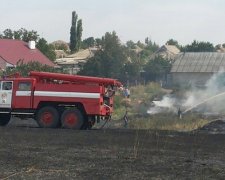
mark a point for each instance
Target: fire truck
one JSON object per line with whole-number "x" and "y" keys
{"x": 57, "y": 100}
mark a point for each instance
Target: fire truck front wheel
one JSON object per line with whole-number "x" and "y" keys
{"x": 72, "y": 119}
{"x": 4, "y": 119}
{"x": 47, "y": 117}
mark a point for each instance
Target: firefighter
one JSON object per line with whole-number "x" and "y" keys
{"x": 179, "y": 113}
{"x": 127, "y": 92}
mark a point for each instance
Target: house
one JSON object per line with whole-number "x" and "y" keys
{"x": 167, "y": 52}
{"x": 74, "y": 62}
{"x": 196, "y": 68}
{"x": 12, "y": 51}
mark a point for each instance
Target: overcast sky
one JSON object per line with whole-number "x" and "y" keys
{"x": 182, "y": 20}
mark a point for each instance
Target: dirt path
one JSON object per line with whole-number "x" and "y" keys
{"x": 34, "y": 153}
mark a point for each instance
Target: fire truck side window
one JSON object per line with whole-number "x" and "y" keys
{"x": 24, "y": 86}
{"x": 6, "y": 85}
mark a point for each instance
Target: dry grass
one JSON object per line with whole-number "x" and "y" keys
{"x": 168, "y": 122}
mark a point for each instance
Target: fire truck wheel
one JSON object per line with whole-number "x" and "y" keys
{"x": 72, "y": 119}
{"x": 48, "y": 117}
{"x": 4, "y": 119}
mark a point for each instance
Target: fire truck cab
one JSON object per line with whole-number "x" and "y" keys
{"x": 57, "y": 100}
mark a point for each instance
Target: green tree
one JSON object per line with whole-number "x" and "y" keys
{"x": 18, "y": 34}
{"x": 46, "y": 49}
{"x": 79, "y": 34}
{"x": 29, "y": 35}
{"x": 157, "y": 69}
{"x": 109, "y": 61}
{"x": 199, "y": 47}
{"x": 8, "y": 34}
{"x": 88, "y": 42}
{"x": 130, "y": 44}
{"x": 173, "y": 42}
{"x": 25, "y": 68}
{"x": 73, "y": 32}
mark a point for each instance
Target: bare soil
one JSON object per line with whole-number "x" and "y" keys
{"x": 28, "y": 152}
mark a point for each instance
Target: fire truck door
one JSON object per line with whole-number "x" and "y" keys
{"x": 23, "y": 95}
{"x": 6, "y": 94}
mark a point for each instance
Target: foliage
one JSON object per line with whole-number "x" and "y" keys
{"x": 109, "y": 61}
{"x": 79, "y": 34}
{"x": 88, "y": 42}
{"x": 46, "y": 49}
{"x": 173, "y": 42}
{"x": 199, "y": 47}
{"x": 21, "y": 34}
{"x": 157, "y": 68}
{"x": 148, "y": 50}
{"x": 25, "y": 68}
{"x": 130, "y": 44}
{"x": 75, "y": 33}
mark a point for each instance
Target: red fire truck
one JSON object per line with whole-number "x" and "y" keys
{"x": 55, "y": 99}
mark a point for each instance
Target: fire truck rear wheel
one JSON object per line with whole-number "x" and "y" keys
{"x": 4, "y": 119}
{"x": 72, "y": 119}
{"x": 48, "y": 117}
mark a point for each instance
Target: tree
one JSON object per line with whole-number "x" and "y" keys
{"x": 173, "y": 42}
{"x": 199, "y": 47}
{"x": 79, "y": 34}
{"x": 29, "y": 35}
{"x": 109, "y": 61}
{"x": 157, "y": 69}
{"x": 130, "y": 44}
{"x": 75, "y": 33}
{"x": 89, "y": 42}
{"x": 46, "y": 49}
{"x": 25, "y": 68}
{"x": 8, "y": 34}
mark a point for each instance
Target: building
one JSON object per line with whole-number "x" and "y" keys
{"x": 12, "y": 51}
{"x": 167, "y": 52}
{"x": 74, "y": 62}
{"x": 196, "y": 68}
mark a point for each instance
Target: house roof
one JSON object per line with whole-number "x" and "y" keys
{"x": 167, "y": 52}
{"x": 84, "y": 53}
{"x": 199, "y": 62}
{"x": 14, "y": 50}
{"x": 79, "y": 57}
{"x": 60, "y": 53}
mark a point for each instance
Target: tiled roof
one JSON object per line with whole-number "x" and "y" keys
{"x": 14, "y": 50}
{"x": 199, "y": 62}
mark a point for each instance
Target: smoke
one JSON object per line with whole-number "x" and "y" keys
{"x": 210, "y": 99}
{"x": 167, "y": 104}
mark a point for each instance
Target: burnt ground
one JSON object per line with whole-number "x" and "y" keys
{"x": 27, "y": 152}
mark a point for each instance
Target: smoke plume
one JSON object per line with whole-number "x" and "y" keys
{"x": 209, "y": 99}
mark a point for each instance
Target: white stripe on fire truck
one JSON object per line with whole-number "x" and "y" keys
{"x": 59, "y": 94}
{"x": 23, "y": 93}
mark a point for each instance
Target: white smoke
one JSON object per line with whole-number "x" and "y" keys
{"x": 167, "y": 104}
{"x": 209, "y": 99}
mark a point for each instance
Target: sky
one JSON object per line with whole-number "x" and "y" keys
{"x": 160, "y": 20}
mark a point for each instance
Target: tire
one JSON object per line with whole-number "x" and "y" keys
{"x": 47, "y": 117}
{"x": 72, "y": 119}
{"x": 4, "y": 119}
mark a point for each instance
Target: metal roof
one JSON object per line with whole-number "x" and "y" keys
{"x": 199, "y": 62}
